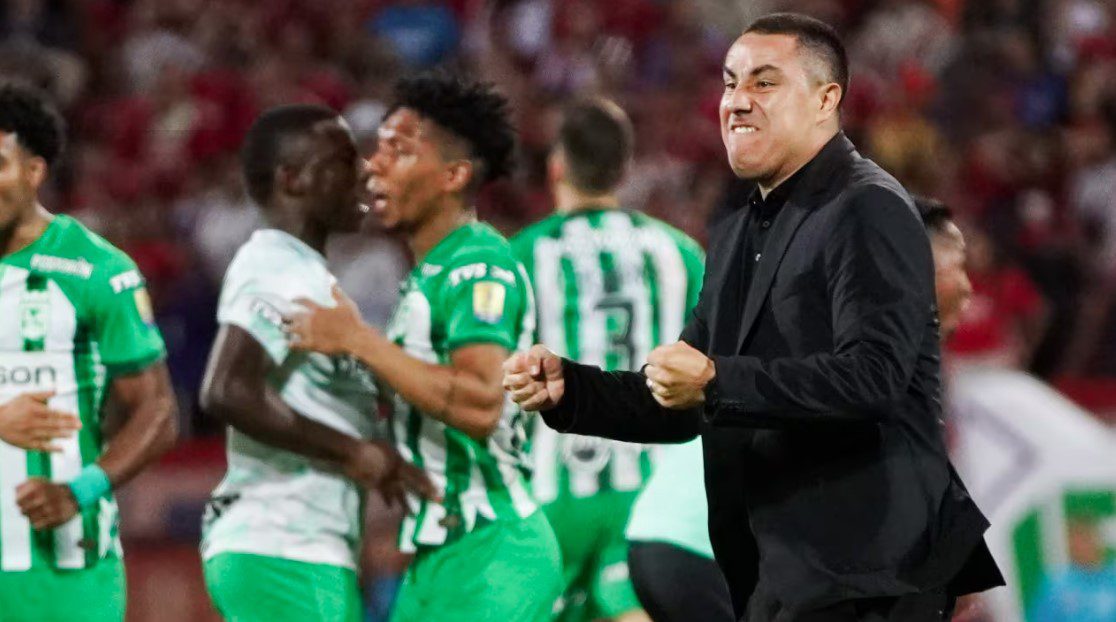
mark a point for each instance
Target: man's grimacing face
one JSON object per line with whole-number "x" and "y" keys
{"x": 772, "y": 102}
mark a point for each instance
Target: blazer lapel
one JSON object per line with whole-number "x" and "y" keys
{"x": 782, "y": 232}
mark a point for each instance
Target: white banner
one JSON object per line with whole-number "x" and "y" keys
{"x": 1030, "y": 458}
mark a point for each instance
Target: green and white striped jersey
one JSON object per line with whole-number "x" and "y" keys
{"x": 275, "y": 502}
{"x": 73, "y": 314}
{"x": 611, "y": 285}
{"x": 468, "y": 290}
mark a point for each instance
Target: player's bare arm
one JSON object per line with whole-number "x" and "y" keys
{"x": 466, "y": 394}
{"x": 235, "y": 391}
{"x": 150, "y": 427}
{"x": 29, "y": 423}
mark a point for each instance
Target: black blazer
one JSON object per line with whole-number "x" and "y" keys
{"x": 825, "y": 461}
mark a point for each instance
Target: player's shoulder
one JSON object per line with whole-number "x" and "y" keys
{"x": 480, "y": 253}
{"x": 272, "y": 255}
{"x": 686, "y": 245}
{"x": 548, "y": 227}
{"x": 77, "y": 252}
{"x": 481, "y": 243}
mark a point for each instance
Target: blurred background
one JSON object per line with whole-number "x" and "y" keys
{"x": 1004, "y": 109}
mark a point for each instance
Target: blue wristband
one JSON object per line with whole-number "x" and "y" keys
{"x": 91, "y": 485}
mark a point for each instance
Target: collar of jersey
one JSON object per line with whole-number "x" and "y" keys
{"x": 282, "y": 237}
{"x": 448, "y": 243}
{"x": 44, "y": 238}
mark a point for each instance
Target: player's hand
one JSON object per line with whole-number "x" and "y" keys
{"x": 677, "y": 375}
{"x": 328, "y": 330}
{"x": 45, "y": 503}
{"x": 378, "y": 466}
{"x": 535, "y": 379}
{"x": 27, "y": 422}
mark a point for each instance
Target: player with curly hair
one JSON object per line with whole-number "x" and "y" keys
{"x": 76, "y": 333}
{"x": 483, "y": 550}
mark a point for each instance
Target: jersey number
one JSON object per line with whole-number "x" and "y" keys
{"x": 618, "y": 323}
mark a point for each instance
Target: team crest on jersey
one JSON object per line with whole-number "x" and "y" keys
{"x": 488, "y": 302}
{"x": 34, "y": 315}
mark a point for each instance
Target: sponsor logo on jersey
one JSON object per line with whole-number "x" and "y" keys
{"x": 126, "y": 280}
{"x": 430, "y": 269}
{"x": 504, "y": 275}
{"x": 488, "y": 302}
{"x": 267, "y": 312}
{"x": 74, "y": 267}
{"x": 467, "y": 273}
{"x": 39, "y": 376}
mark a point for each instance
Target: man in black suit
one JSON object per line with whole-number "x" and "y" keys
{"x": 810, "y": 366}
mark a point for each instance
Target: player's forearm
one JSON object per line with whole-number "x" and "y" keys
{"x": 264, "y": 417}
{"x": 150, "y": 430}
{"x": 455, "y": 397}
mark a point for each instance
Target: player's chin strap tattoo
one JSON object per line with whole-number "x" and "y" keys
{"x": 441, "y": 414}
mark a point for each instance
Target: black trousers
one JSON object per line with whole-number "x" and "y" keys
{"x": 675, "y": 585}
{"x": 932, "y": 606}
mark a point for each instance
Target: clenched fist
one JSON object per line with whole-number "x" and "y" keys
{"x": 45, "y": 503}
{"x": 677, "y": 375}
{"x": 535, "y": 379}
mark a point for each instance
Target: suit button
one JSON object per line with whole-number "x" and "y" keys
{"x": 758, "y": 255}
{"x": 766, "y": 224}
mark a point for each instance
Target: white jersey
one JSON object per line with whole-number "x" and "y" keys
{"x": 274, "y": 502}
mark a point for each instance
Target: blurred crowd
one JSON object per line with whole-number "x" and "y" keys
{"x": 1004, "y": 109}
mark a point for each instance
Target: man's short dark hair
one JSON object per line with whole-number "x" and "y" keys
{"x": 28, "y": 113}
{"x": 472, "y": 111}
{"x": 815, "y": 36}
{"x": 266, "y": 144}
{"x": 935, "y": 215}
{"x": 596, "y": 141}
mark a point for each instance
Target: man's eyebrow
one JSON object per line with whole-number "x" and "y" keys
{"x": 728, "y": 72}
{"x": 764, "y": 68}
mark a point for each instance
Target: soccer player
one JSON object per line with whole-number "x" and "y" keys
{"x": 483, "y": 551}
{"x": 611, "y": 285}
{"x": 282, "y": 531}
{"x": 76, "y": 331}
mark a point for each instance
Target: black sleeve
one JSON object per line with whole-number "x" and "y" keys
{"x": 880, "y": 274}
{"x": 617, "y": 405}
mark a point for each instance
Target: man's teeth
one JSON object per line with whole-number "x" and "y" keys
{"x": 743, "y": 129}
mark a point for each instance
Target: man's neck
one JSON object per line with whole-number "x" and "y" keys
{"x": 292, "y": 220}
{"x": 445, "y": 221}
{"x": 767, "y": 187}
{"x": 25, "y": 230}
{"x": 568, "y": 200}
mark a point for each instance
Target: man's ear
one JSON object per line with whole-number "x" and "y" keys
{"x": 36, "y": 168}
{"x": 831, "y": 95}
{"x": 459, "y": 175}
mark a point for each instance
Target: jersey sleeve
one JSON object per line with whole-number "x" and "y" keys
{"x": 256, "y": 304}
{"x": 127, "y": 338}
{"x": 483, "y": 300}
